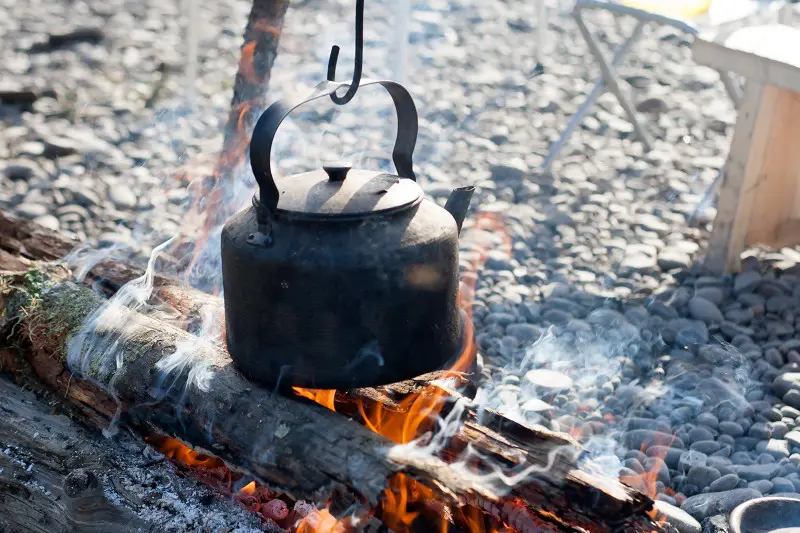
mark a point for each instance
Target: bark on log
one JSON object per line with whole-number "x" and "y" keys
{"x": 302, "y": 449}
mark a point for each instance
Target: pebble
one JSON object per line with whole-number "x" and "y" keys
{"x": 713, "y": 503}
{"x": 724, "y": 483}
{"x": 122, "y": 197}
{"x": 670, "y": 456}
{"x": 760, "y": 431}
{"x": 731, "y": 428}
{"x": 793, "y": 438}
{"x": 48, "y": 221}
{"x": 763, "y": 486}
{"x": 702, "y": 476}
{"x": 758, "y": 471}
{"x": 524, "y": 333}
{"x": 792, "y": 398}
{"x": 645, "y": 438}
{"x": 704, "y": 310}
{"x": 682, "y": 521}
{"x": 31, "y": 211}
{"x": 746, "y": 281}
{"x": 786, "y": 382}
{"x": 716, "y": 524}
{"x": 778, "y": 449}
{"x": 700, "y": 434}
{"x": 780, "y": 484}
{"x": 707, "y": 447}
{"x": 547, "y": 380}
{"x": 779, "y": 429}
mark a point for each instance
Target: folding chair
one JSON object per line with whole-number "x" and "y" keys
{"x": 673, "y": 13}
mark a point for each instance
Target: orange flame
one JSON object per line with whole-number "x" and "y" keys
{"x": 249, "y": 489}
{"x": 405, "y": 499}
{"x": 646, "y": 483}
{"x": 321, "y": 522}
{"x": 174, "y": 449}
{"x": 324, "y": 397}
{"x": 418, "y": 412}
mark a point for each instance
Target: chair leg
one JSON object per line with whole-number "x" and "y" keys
{"x": 618, "y": 55}
{"x": 610, "y": 76}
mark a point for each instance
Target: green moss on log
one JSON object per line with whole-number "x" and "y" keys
{"x": 47, "y": 303}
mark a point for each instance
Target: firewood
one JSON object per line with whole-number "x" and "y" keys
{"x": 39, "y": 491}
{"x": 300, "y": 448}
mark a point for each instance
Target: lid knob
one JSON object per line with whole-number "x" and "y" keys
{"x": 337, "y": 170}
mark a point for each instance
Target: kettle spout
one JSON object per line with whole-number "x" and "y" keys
{"x": 458, "y": 204}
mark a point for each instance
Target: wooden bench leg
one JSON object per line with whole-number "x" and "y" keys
{"x": 758, "y": 197}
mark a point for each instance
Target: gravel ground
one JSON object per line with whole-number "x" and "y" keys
{"x": 590, "y": 313}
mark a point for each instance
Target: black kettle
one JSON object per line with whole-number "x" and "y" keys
{"x": 342, "y": 277}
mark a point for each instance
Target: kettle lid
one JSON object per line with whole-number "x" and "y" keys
{"x": 339, "y": 191}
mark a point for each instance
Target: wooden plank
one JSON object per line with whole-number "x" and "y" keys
{"x": 732, "y": 201}
{"x": 760, "y": 194}
{"x": 768, "y": 54}
{"x": 776, "y": 187}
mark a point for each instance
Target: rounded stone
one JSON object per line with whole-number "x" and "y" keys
{"x": 549, "y": 380}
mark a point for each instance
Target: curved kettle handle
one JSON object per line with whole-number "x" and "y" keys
{"x": 267, "y": 126}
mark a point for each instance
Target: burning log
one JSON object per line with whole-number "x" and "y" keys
{"x": 173, "y": 382}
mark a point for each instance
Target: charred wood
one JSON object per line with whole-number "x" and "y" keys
{"x": 294, "y": 446}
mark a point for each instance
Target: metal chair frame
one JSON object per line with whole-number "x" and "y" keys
{"x": 609, "y": 80}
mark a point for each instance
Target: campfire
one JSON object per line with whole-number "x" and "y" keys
{"x": 401, "y": 441}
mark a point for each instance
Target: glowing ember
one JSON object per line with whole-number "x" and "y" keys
{"x": 321, "y": 522}
{"x": 213, "y": 471}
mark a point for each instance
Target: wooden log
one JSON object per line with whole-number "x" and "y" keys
{"x": 147, "y": 341}
{"x": 300, "y": 449}
{"x": 54, "y": 475}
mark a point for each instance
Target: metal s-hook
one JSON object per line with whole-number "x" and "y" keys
{"x": 334, "y": 57}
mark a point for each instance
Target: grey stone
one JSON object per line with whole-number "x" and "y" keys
{"x": 764, "y": 486}
{"x": 712, "y": 294}
{"x": 779, "y": 303}
{"x": 690, "y": 459}
{"x": 778, "y": 449}
{"x": 548, "y": 380}
{"x": 760, "y": 431}
{"x": 702, "y": 476}
{"x": 707, "y": 447}
{"x": 48, "y": 221}
{"x": 779, "y": 429}
{"x": 724, "y": 483}
{"x": 638, "y": 438}
{"x": 670, "y": 456}
{"x": 682, "y": 521}
{"x": 693, "y": 333}
{"x": 700, "y": 433}
{"x": 31, "y": 211}
{"x": 122, "y": 196}
{"x": 714, "y": 354}
{"x": 780, "y": 484}
{"x": 704, "y": 310}
{"x": 636, "y": 422}
{"x": 714, "y": 503}
{"x": 716, "y": 524}
{"x": 708, "y": 420}
{"x": 525, "y": 333}
{"x": 759, "y": 471}
{"x": 792, "y": 398}
{"x": 793, "y": 438}
{"x": 774, "y": 357}
{"x": 746, "y": 281}
{"x": 731, "y": 428}
{"x": 671, "y": 259}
